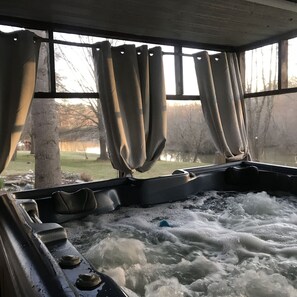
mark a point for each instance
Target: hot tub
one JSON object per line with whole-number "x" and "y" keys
{"x": 41, "y": 260}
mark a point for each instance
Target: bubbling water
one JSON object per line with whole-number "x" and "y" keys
{"x": 214, "y": 244}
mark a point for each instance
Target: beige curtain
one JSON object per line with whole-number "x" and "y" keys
{"x": 222, "y": 103}
{"x": 130, "y": 81}
{"x": 18, "y": 56}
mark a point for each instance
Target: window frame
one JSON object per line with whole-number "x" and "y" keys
{"x": 178, "y": 45}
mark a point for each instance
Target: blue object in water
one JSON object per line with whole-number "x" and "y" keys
{"x": 164, "y": 223}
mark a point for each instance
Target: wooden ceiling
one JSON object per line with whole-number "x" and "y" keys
{"x": 232, "y": 23}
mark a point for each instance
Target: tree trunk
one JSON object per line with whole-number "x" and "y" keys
{"x": 196, "y": 156}
{"x": 45, "y": 130}
{"x": 46, "y": 140}
{"x": 103, "y": 147}
{"x": 102, "y": 133}
{"x": 102, "y": 141}
{"x": 14, "y": 156}
{"x": 32, "y": 147}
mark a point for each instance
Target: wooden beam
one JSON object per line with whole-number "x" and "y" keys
{"x": 283, "y": 64}
{"x": 241, "y": 61}
{"x": 65, "y": 95}
{"x": 178, "y": 63}
{"x": 58, "y": 27}
{"x": 271, "y": 93}
{"x": 52, "y": 68}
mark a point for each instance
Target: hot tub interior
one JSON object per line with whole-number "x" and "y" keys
{"x": 213, "y": 244}
{"x": 227, "y": 230}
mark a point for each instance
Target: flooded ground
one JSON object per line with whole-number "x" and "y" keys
{"x": 214, "y": 244}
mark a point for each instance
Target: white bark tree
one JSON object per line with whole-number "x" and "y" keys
{"x": 46, "y": 141}
{"x": 45, "y": 130}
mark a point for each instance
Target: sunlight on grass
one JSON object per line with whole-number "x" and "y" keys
{"x": 77, "y": 163}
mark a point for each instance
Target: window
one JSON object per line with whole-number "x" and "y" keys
{"x": 261, "y": 69}
{"x": 273, "y": 136}
{"x": 188, "y": 134}
{"x": 74, "y": 69}
{"x": 42, "y": 81}
{"x": 189, "y": 72}
{"x": 188, "y": 142}
{"x": 292, "y": 62}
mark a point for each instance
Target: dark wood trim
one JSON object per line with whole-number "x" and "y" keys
{"x": 273, "y": 39}
{"x": 241, "y": 60}
{"x": 51, "y": 27}
{"x": 178, "y": 64}
{"x": 65, "y": 95}
{"x": 271, "y": 93}
{"x": 283, "y": 64}
{"x": 183, "y": 97}
{"x": 52, "y": 68}
{"x": 39, "y": 25}
{"x": 62, "y": 95}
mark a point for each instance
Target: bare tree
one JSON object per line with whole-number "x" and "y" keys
{"x": 188, "y": 132}
{"x": 84, "y": 117}
{"x": 46, "y": 140}
{"x": 259, "y": 109}
{"x": 85, "y": 81}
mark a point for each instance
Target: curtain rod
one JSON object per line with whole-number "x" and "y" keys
{"x": 92, "y": 45}
{"x": 89, "y": 45}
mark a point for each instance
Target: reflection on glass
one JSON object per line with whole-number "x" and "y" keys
{"x": 272, "y": 128}
{"x": 292, "y": 62}
{"x": 261, "y": 69}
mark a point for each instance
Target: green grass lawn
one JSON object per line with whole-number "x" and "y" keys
{"x": 76, "y": 162}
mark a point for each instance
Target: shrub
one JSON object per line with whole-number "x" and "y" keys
{"x": 85, "y": 177}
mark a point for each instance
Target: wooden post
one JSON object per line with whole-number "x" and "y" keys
{"x": 283, "y": 64}
{"x": 178, "y": 62}
{"x": 52, "y": 69}
{"x": 241, "y": 61}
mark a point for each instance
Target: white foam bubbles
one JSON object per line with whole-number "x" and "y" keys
{"x": 166, "y": 288}
{"x": 216, "y": 244}
{"x": 114, "y": 252}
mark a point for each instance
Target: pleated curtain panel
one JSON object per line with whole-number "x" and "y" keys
{"x": 222, "y": 102}
{"x": 18, "y": 59}
{"x": 131, "y": 85}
